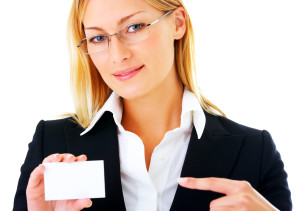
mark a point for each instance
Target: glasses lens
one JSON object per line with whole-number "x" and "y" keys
{"x": 94, "y": 44}
{"x": 134, "y": 33}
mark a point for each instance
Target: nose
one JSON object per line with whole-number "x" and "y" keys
{"x": 119, "y": 51}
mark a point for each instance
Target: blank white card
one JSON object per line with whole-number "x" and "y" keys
{"x": 83, "y": 179}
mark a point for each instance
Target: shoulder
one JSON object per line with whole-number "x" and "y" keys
{"x": 57, "y": 124}
{"x": 219, "y": 124}
{"x": 53, "y": 129}
{"x": 253, "y": 137}
{"x": 235, "y": 127}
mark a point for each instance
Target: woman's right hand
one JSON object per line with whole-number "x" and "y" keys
{"x": 35, "y": 193}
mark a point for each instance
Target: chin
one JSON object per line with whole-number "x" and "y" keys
{"x": 131, "y": 93}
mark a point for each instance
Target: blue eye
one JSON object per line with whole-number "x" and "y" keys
{"x": 136, "y": 27}
{"x": 97, "y": 39}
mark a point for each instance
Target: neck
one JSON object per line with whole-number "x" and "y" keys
{"x": 155, "y": 113}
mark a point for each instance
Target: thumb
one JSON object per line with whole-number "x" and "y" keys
{"x": 36, "y": 176}
{"x": 80, "y": 204}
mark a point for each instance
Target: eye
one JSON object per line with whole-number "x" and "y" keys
{"x": 136, "y": 27}
{"x": 97, "y": 39}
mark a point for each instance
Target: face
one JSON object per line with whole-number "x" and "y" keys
{"x": 118, "y": 63}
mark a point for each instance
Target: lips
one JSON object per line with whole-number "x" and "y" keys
{"x": 127, "y": 73}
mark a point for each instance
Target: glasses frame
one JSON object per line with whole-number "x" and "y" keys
{"x": 119, "y": 36}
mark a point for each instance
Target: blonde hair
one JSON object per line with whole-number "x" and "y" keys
{"x": 88, "y": 88}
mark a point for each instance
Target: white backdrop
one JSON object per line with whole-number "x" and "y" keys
{"x": 248, "y": 59}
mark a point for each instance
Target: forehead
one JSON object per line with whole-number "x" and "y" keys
{"x": 105, "y": 13}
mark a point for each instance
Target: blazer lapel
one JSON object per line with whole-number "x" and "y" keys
{"x": 101, "y": 143}
{"x": 213, "y": 155}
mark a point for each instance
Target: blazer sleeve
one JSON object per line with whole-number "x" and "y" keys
{"x": 33, "y": 158}
{"x": 274, "y": 185}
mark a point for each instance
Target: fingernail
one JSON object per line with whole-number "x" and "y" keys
{"x": 90, "y": 205}
{"x": 82, "y": 155}
{"x": 182, "y": 180}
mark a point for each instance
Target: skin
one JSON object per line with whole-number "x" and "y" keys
{"x": 239, "y": 194}
{"x": 151, "y": 99}
{"x": 35, "y": 193}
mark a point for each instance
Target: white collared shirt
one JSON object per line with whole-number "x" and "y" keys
{"x": 153, "y": 190}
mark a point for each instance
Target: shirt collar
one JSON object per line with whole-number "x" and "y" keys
{"x": 190, "y": 103}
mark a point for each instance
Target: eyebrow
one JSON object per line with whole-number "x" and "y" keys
{"x": 121, "y": 21}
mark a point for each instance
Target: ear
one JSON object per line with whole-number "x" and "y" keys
{"x": 180, "y": 22}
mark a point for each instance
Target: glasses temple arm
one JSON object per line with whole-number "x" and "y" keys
{"x": 160, "y": 18}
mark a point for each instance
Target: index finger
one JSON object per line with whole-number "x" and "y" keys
{"x": 220, "y": 185}
{"x": 53, "y": 158}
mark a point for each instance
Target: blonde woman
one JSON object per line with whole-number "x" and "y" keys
{"x": 138, "y": 108}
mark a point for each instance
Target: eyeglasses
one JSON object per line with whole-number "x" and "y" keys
{"x": 128, "y": 34}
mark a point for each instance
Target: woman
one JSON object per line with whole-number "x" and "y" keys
{"x": 138, "y": 108}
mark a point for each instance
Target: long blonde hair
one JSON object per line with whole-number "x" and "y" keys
{"x": 88, "y": 88}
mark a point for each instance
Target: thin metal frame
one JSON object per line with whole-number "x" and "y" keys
{"x": 119, "y": 36}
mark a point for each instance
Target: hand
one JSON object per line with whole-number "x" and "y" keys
{"x": 35, "y": 193}
{"x": 239, "y": 194}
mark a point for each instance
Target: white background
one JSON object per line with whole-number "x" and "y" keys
{"x": 248, "y": 59}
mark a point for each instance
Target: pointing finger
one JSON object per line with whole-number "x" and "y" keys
{"x": 220, "y": 185}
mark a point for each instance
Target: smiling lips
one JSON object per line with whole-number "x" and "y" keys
{"x": 127, "y": 73}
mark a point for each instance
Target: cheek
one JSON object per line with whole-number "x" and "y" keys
{"x": 99, "y": 62}
{"x": 160, "y": 51}
{"x": 156, "y": 52}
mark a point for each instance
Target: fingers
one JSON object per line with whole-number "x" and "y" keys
{"x": 238, "y": 193}
{"x": 80, "y": 204}
{"x": 224, "y": 209}
{"x": 81, "y": 158}
{"x": 53, "y": 158}
{"x": 238, "y": 200}
{"x": 36, "y": 176}
{"x": 66, "y": 157}
{"x": 219, "y": 185}
{"x": 248, "y": 200}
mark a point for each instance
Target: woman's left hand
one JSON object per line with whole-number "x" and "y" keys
{"x": 239, "y": 194}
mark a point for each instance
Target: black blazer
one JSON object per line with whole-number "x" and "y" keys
{"x": 226, "y": 149}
